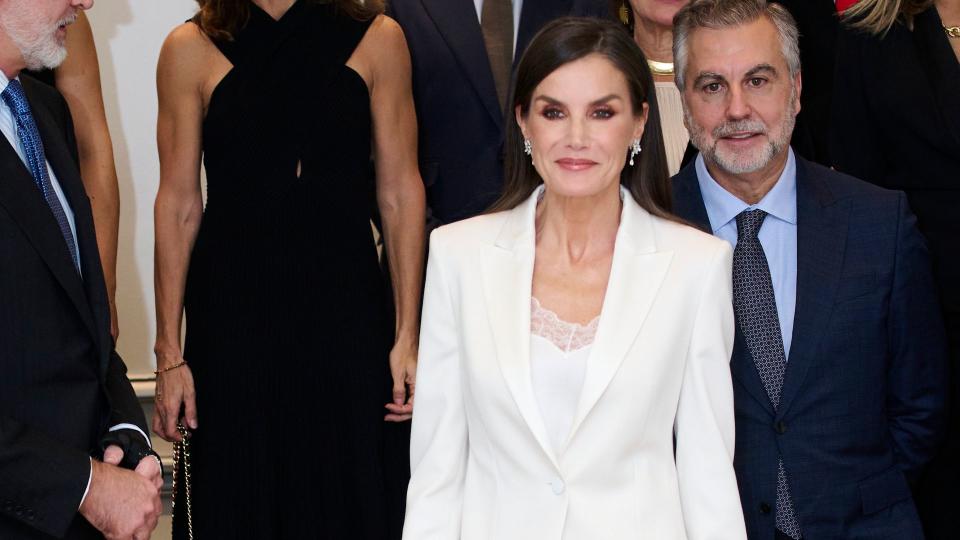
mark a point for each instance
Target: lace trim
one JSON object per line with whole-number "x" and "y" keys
{"x": 567, "y": 336}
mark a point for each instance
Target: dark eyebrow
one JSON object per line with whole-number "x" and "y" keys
{"x": 705, "y": 76}
{"x": 605, "y": 99}
{"x": 761, "y": 68}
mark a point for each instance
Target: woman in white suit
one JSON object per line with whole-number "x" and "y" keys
{"x": 570, "y": 334}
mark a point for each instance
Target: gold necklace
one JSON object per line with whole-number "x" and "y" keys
{"x": 952, "y": 31}
{"x": 660, "y": 68}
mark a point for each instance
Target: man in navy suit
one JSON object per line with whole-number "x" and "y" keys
{"x": 839, "y": 356}
{"x": 460, "y": 89}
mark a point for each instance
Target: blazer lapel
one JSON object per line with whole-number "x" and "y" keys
{"x": 940, "y": 65}
{"x": 637, "y": 271}
{"x": 25, "y": 204}
{"x": 821, "y": 241}
{"x": 507, "y": 284}
{"x": 458, "y": 24}
{"x": 688, "y": 204}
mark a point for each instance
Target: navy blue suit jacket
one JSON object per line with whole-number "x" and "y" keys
{"x": 863, "y": 394}
{"x": 460, "y": 122}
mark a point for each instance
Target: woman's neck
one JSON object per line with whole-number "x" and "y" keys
{"x": 275, "y": 8}
{"x": 654, "y": 40}
{"x": 580, "y": 227}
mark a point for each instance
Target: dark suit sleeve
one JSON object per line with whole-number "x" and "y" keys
{"x": 124, "y": 405}
{"x": 917, "y": 372}
{"x": 854, "y": 145}
{"x": 41, "y": 481}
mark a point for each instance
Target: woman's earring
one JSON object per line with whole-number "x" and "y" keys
{"x": 527, "y": 147}
{"x": 634, "y": 150}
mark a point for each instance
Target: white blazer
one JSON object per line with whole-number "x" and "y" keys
{"x": 481, "y": 462}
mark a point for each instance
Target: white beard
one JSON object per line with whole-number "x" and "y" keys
{"x": 40, "y": 48}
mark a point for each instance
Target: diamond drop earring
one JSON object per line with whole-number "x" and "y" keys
{"x": 527, "y": 147}
{"x": 634, "y": 150}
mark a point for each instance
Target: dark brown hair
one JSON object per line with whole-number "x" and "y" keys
{"x": 566, "y": 40}
{"x": 220, "y": 20}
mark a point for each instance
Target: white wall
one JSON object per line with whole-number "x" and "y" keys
{"x": 129, "y": 34}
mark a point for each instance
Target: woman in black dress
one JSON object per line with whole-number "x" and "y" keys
{"x": 290, "y": 342}
{"x": 896, "y": 123}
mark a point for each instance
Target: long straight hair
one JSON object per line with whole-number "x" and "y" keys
{"x": 220, "y": 20}
{"x": 566, "y": 40}
{"x": 877, "y": 16}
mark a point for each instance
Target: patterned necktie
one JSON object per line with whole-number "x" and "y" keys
{"x": 496, "y": 21}
{"x": 756, "y": 312}
{"x": 14, "y": 97}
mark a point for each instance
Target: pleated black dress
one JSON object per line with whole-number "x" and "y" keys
{"x": 288, "y": 326}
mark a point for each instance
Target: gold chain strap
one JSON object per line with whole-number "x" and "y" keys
{"x": 181, "y": 458}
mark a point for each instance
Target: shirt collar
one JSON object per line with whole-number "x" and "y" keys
{"x": 723, "y": 207}
{"x": 4, "y": 81}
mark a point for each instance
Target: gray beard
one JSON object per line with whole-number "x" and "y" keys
{"x": 736, "y": 164}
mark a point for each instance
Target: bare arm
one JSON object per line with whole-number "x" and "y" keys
{"x": 78, "y": 79}
{"x": 400, "y": 197}
{"x": 177, "y": 214}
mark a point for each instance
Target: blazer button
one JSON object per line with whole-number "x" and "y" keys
{"x": 557, "y": 486}
{"x": 764, "y": 508}
{"x": 780, "y": 427}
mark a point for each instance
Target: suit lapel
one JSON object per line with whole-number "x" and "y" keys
{"x": 941, "y": 68}
{"x": 688, "y": 204}
{"x": 687, "y": 199}
{"x": 821, "y": 241}
{"x": 636, "y": 274}
{"x": 68, "y": 176}
{"x": 458, "y": 24}
{"x": 24, "y": 203}
{"x": 507, "y": 284}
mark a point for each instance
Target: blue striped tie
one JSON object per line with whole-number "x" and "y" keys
{"x": 14, "y": 97}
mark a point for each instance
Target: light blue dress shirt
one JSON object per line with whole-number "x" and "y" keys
{"x": 778, "y": 234}
{"x": 8, "y": 125}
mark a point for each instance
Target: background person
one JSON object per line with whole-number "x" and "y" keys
{"x": 463, "y": 54}
{"x": 896, "y": 119}
{"x": 289, "y": 337}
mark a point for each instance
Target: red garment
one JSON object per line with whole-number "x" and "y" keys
{"x": 842, "y": 5}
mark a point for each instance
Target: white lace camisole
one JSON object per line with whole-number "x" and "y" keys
{"x": 558, "y": 363}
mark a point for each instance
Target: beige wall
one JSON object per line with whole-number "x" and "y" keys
{"x": 128, "y": 35}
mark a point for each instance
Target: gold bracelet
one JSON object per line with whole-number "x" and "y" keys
{"x": 170, "y": 368}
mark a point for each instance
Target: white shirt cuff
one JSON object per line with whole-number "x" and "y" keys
{"x": 133, "y": 427}
{"x": 89, "y": 479}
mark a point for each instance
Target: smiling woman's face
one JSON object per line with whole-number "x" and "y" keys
{"x": 581, "y": 124}
{"x": 658, "y": 12}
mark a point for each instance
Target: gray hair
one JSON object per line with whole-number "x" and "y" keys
{"x": 718, "y": 14}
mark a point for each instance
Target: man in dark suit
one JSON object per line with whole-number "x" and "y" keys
{"x": 463, "y": 52}
{"x": 839, "y": 353}
{"x": 69, "y": 420}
